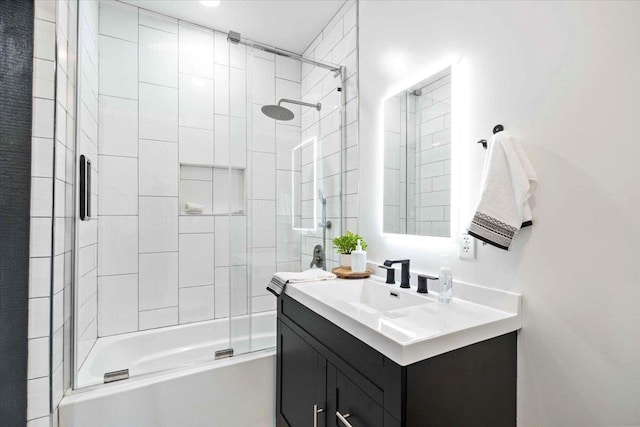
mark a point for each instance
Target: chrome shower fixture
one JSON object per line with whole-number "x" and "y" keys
{"x": 278, "y": 112}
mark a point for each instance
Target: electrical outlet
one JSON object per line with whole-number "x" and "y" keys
{"x": 467, "y": 247}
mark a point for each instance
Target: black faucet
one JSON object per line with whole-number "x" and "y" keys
{"x": 404, "y": 275}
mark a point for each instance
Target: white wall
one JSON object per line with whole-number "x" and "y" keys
{"x": 563, "y": 77}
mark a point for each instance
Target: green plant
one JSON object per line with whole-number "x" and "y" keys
{"x": 346, "y": 243}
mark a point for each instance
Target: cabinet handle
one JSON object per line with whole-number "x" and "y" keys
{"x": 343, "y": 419}
{"x": 316, "y": 411}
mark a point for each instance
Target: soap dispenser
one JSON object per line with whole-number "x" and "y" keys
{"x": 445, "y": 280}
{"x": 359, "y": 259}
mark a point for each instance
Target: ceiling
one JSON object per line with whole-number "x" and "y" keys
{"x": 287, "y": 24}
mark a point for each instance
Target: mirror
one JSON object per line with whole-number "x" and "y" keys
{"x": 417, "y": 158}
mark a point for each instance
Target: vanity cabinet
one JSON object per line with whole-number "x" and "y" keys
{"x": 323, "y": 370}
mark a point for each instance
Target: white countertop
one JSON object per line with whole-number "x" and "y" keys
{"x": 409, "y": 327}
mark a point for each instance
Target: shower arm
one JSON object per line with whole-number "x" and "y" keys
{"x": 317, "y": 106}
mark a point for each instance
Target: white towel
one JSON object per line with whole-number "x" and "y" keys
{"x": 279, "y": 280}
{"x": 193, "y": 208}
{"x": 508, "y": 182}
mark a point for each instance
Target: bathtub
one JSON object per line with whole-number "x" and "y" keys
{"x": 171, "y": 382}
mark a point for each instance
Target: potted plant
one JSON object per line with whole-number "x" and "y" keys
{"x": 346, "y": 244}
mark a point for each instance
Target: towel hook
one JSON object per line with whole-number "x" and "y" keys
{"x": 496, "y": 129}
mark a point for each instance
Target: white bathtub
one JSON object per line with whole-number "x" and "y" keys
{"x": 233, "y": 392}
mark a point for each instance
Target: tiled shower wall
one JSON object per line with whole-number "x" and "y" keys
{"x": 52, "y": 170}
{"x": 337, "y": 44}
{"x": 178, "y": 107}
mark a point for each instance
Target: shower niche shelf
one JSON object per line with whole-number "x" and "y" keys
{"x": 220, "y": 190}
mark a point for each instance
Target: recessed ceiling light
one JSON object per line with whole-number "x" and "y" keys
{"x": 210, "y": 3}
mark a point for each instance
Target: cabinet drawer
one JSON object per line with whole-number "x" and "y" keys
{"x": 360, "y": 356}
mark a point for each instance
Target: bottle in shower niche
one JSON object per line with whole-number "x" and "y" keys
{"x": 445, "y": 279}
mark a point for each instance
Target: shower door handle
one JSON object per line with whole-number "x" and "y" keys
{"x": 316, "y": 411}
{"x": 85, "y": 188}
{"x": 343, "y": 419}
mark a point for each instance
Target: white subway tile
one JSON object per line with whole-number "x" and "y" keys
{"x": 263, "y": 75}
{"x": 118, "y": 68}
{"x": 37, "y": 398}
{"x": 287, "y": 138}
{"x": 196, "y": 304}
{"x": 158, "y": 168}
{"x": 196, "y": 259}
{"x": 263, "y": 224}
{"x": 40, "y": 237}
{"x": 39, "y": 277}
{"x": 196, "y": 146}
{"x": 222, "y": 48}
{"x": 264, "y": 132}
{"x": 44, "y": 421}
{"x": 221, "y": 292}
{"x": 117, "y": 304}
{"x": 158, "y": 21}
{"x": 159, "y": 318}
{"x": 196, "y": 50}
{"x": 38, "y": 359}
{"x": 197, "y": 224}
{"x": 43, "y": 78}
{"x": 38, "y": 317}
{"x": 264, "y": 177}
{"x": 196, "y": 102}
{"x": 118, "y": 245}
{"x": 41, "y": 157}
{"x": 119, "y": 20}
{"x": 238, "y": 142}
{"x": 42, "y": 197}
{"x": 237, "y": 56}
{"x": 287, "y": 68}
{"x": 43, "y": 118}
{"x": 238, "y": 93}
{"x": 118, "y": 185}
{"x": 118, "y": 130}
{"x": 263, "y": 266}
{"x": 158, "y": 113}
{"x": 221, "y": 150}
{"x": 237, "y": 245}
{"x": 45, "y": 10}
{"x": 222, "y": 89}
{"x": 158, "y": 56}
{"x": 158, "y": 280}
{"x": 44, "y": 40}
{"x": 196, "y": 172}
{"x": 158, "y": 224}
{"x": 345, "y": 46}
{"x": 263, "y": 303}
{"x": 222, "y": 242}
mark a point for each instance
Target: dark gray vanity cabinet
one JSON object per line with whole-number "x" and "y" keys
{"x": 322, "y": 370}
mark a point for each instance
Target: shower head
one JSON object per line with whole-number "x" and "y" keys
{"x": 323, "y": 199}
{"x": 278, "y": 112}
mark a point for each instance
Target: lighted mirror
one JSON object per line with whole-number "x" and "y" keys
{"x": 303, "y": 181}
{"x": 417, "y": 158}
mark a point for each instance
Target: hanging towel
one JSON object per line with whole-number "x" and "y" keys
{"x": 508, "y": 182}
{"x": 279, "y": 280}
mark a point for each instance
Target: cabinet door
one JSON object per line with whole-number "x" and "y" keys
{"x": 302, "y": 380}
{"x": 345, "y": 397}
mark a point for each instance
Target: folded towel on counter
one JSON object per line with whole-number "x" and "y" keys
{"x": 508, "y": 181}
{"x": 279, "y": 280}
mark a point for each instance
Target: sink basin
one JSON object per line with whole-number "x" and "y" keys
{"x": 404, "y": 325}
{"x": 364, "y": 295}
